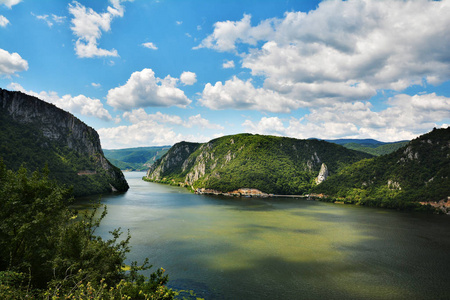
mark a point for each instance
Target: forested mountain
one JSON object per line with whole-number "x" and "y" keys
{"x": 135, "y": 159}
{"x": 370, "y": 146}
{"x": 277, "y": 165}
{"x": 419, "y": 171}
{"x": 39, "y": 134}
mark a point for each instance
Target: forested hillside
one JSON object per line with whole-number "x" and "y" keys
{"x": 38, "y": 134}
{"x": 276, "y": 165}
{"x": 419, "y": 171}
{"x": 135, "y": 159}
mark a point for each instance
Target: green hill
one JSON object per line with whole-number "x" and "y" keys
{"x": 275, "y": 165}
{"x": 376, "y": 149}
{"x": 419, "y": 171}
{"x": 135, "y": 159}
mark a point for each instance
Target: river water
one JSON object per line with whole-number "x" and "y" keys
{"x": 248, "y": 248}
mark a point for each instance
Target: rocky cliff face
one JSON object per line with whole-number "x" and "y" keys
{"x": 62, "y": 130}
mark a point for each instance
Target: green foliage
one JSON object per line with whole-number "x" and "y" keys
{"x": 419, "y": 171}
{"x": 24, "y": 144}
{"x": 49, "y": 251}
{"x": 276, "y": 165}
{"x": 135, "y": 158}
{"x": 376, "y": 150}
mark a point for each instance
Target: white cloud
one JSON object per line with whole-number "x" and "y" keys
{"x": 200, "y": 122}
{"x": 188, "y": 78}
{"x": 79, "y": 104}
{"x": 3, "y": 21}
{"x": 179, "y": 22}
{"x": 143, "y": 89}
{"x": 405, "y": 118}
{"x": 10, "y": 3}
{"x": 11, "y": 63}
{"x": 139, "y": 115}
{"x": 228, "y": 64}
{"x": 150, "y": 45}
{"x": 344, "y": 50}
{"x": 58, "y": 19}
{"x": 88, "y": 25}
{"x": 44, "y": 18}
{"x": 238, "y": 94}
{"x": 227, "y": 34}
{"x": 47, "y": 19}
{"x": 96, "y": 85}
{"x": 143, "y": 134}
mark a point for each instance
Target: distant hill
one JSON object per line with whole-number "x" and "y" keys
{"x": 36, "y": 133}
{"x": 277, "y": 165}
{"x": 370, "y": 146}
{"x": 419, "y": 171}
{"x": 135, "y": 159}
{"x": 382, "y": 149}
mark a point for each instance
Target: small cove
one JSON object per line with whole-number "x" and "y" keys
{"x": 281, "y": 248}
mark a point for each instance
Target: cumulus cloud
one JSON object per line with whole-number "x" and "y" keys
{"x": 239, "y": 94}
{"x": 143, "y": 89}
{"x": 11, "y": 63}
{"x": 343, "y": 50}
{"x": 139, "y": 115}
{"x": 10, "y": 3}
{"x": 188, "y": 78}
{"x": 405, "y": 118}
{"x": 88, "y": 25}
{"x": 150, "y": 45}
{"x": 227, "y": 34}
{"x": 228, "y": 64}
{"x": 144, "y": 133}
{"x": 3, "y": 21}
{"x": 77, "y": 105}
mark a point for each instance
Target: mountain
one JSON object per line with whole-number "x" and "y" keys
{"x": 370, "y": 146}
{"x": 417, "y": 172}
{"x": 376, "y": 149}
{"x": 135, "y": 159}
{"x": 274, "y": 165}
{"x": 36, "y": 133}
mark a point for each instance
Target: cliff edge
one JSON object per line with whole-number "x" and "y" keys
{"x": 36, "y": 133}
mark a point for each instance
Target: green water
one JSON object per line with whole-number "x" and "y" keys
{"x": 231, "y": 248}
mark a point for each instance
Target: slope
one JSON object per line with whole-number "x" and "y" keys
{"x": 419, "y": 171}
{"x": 276, "y": 165}
{"x": 36, "y": 133}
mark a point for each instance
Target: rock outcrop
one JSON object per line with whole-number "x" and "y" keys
{"x": 63, "y": 135}
{"x": 323, "y": 174}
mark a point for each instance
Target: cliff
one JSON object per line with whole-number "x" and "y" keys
{"x": 37, "y": 133}
{"x": 269, "y": 164}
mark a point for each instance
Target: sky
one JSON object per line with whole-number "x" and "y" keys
{"x": 157, "y": 72}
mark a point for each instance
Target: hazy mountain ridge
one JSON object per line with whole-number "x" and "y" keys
{"x": 277, "y": 165}
{"x": 134, "y": 159}
{"x": 419, "y": 171}
{"x": 38, "y": 133}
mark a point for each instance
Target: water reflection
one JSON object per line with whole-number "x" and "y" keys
{"x": 227, "y": 248}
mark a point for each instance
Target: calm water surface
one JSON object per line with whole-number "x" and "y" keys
{"x": 231, "y": 248}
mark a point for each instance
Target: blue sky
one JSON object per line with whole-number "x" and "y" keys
{"x": 146, "y": 73}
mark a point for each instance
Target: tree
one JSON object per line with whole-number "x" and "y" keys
{"x": 47, "y": 249}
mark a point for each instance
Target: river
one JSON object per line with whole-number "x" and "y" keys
{"x": 282, "y": 248}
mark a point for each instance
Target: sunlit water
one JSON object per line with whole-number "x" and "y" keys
{"x": 232, "y": 248}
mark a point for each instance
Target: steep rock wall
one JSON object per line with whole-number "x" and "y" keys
{"x": 64, "y": 130}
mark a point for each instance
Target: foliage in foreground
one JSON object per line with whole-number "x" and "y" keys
{"x": 47, "y": 251}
